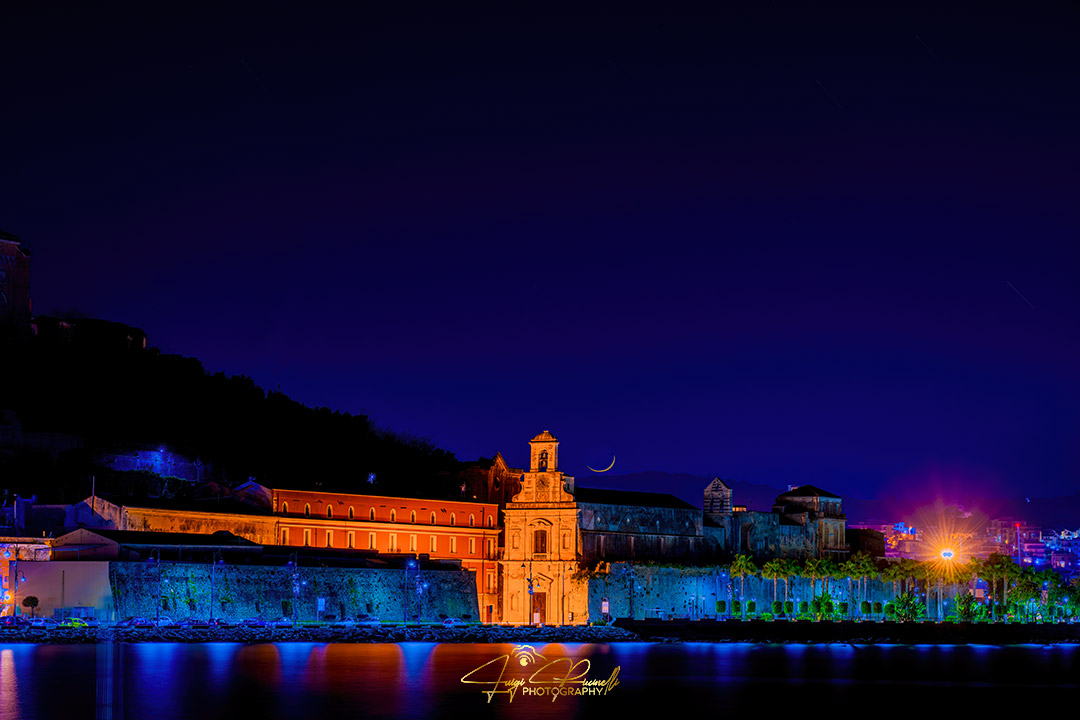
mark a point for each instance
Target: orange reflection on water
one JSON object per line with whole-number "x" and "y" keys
{"x": 9, "y": 689}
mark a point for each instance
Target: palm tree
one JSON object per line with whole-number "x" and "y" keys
{"x": 791, "y": 570}
{"x": 893, "y": 573}
{"x": 911, "y": 571}
{"x": 812, "y": 569}
{"x": 773, "y": 570}
{"x": 988, "y": 569}
{"x": 847, "y": 570}
{"x": 829, "y": 570}
{"x": 964, "y": 573}
{"x": 741, "y": 567}
{"x": 1002, "y": 566}
{"x": 927, "y": 572}
{"x": 864, "y": 569}
{"x": 1011, "y": 571}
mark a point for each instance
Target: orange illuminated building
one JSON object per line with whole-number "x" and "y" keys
{"x": 440, "y": 529}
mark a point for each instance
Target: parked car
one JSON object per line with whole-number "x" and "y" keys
{"x": 164, "y": 621}
{"x": 222, "y": 623}
{"x": 453, "y": 622}
{"x": 14, "y": 622}
{"x": 282, "y": 622}
{"x": 253, "y": 623}
{"x": 44, "y": 624}
{"x": 194, "y": 623}
{"x": 136, "y": 622}
{"x": 345, "y": 622}
{"x": 368, "y": 621}
{"x": 74, "y": 622}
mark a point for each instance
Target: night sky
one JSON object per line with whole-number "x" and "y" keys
{"x": 776, "y": 244}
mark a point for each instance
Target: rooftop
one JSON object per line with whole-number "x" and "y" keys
{"x": 630, "y": 497}
{"x": 138, "y": 537}
{"x": 807, "y": 491}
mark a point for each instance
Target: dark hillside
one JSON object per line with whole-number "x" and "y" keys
{"x": 119, "y": 395}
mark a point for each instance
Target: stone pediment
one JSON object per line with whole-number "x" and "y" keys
{"x": 542, "y": 487}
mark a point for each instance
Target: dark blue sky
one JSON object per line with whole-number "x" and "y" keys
{"x": 782, "y": 245}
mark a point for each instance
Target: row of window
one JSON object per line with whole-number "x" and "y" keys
{"x": 391, "y": 544}
{"x": 393, "y": 515}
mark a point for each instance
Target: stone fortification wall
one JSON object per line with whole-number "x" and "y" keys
{"x": 242, "y": 592}
{"x": 651, "y": 591}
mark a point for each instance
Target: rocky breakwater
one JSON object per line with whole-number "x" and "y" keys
{"x": 327, "y": 634}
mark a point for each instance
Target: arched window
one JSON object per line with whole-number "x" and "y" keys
{"x": 307, "y": 510}
{"x": 329, "y": 511}
{"x": 284, "y": 508}
{"x": 452, "y": 519}
{"x": 490, "y": 521}
{"x": 432, "y": 518}
{"x": 472, "y": 520}
{"x": 352, "y": 512}
{"x": 371, "y": 514}
{"x": 393, "y": 516}
{"x": 543, "y": 461}
{"x": 412, "y": 518}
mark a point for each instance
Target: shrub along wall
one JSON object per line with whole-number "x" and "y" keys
{"x": 184, "y": 590}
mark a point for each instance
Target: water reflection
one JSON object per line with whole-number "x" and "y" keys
{"x": 9, "y": 686}
{"x": 421, "y": 680}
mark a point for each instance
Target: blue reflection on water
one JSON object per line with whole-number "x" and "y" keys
{"x": 346, "y": 681}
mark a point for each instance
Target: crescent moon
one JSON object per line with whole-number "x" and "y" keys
{"x": 605, "y": 469}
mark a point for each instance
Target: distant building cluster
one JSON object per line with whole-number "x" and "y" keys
{"x": 1029, "y": 545}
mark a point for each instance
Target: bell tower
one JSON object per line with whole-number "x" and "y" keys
{"x": 545, "y": 453}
